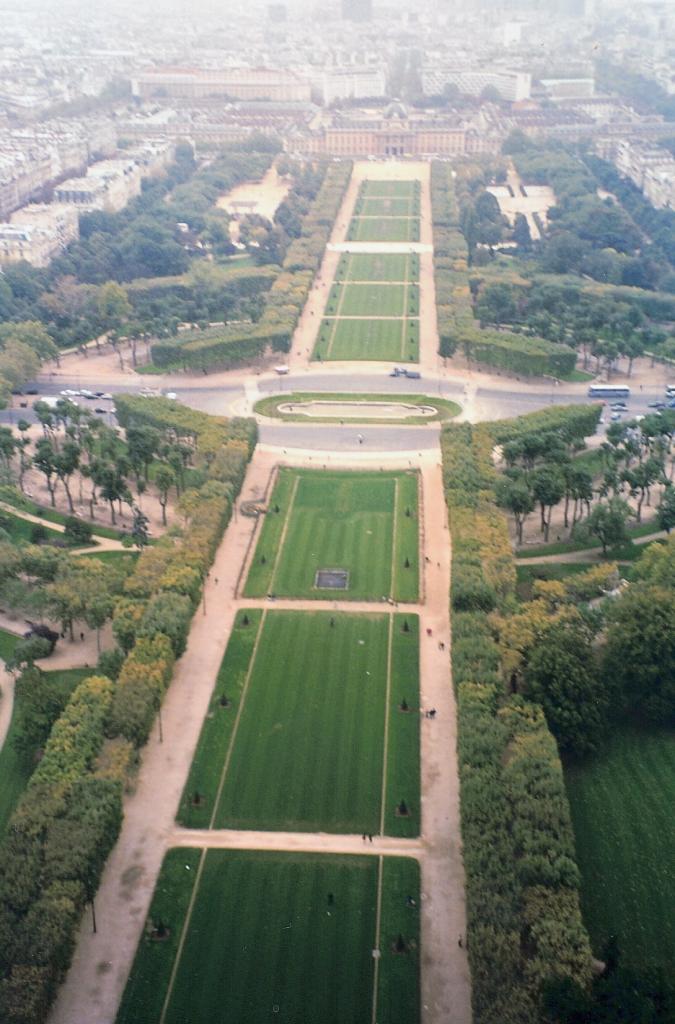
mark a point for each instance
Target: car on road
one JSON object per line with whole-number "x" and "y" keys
{"x": 69, "y": 393}
{"x": 656, "y": 405}
{"x": 615, "y": 417}
{"x": 32, "y": 391}
{"x": 402, "y": 371}
{"x": 87, "y": 394}
{"x": 101, "y": 411}
{"x": 619, "y": 406}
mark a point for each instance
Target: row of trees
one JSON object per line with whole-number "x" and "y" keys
{"x": 542, "y": 470}
{"x": 69, "y": 817}
{"x": 524, "y": 922}
{"x": 91, "y": 462}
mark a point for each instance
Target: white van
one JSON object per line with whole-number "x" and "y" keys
{"x": 281, "y": 370}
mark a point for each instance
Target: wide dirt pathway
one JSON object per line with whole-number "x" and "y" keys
{"x": 95, "y": 982}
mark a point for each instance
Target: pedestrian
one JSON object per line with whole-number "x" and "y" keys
{"x": 428, "y": 631}
{"x": 459, "y": 942}
{"x": 364, "y": 837}
{"x": 432, "y": 713}
{"x": 81, "y": 636}
{"x": 370, "y": 837}
{"x": 215, "y": 580}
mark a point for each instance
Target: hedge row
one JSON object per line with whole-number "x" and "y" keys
{"x": 221, "y": 348}
{"x": 70, "y": 815}
{"x": 570, "y": 422}
{"x": 53, "y": 854}
{"x": 457, "y": 327}
{"x": 522, "y": 886}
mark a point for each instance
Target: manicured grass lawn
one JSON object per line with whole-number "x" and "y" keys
{"x": 265, "y": 941}
{"x": 392, "y": 207}
{"x": 15, "y": 771}
{"x": 306, "y": 749}
{"x": 389, "y": 188}
{"x": 357, "y": 522}
{"x": 381, "y": 267}
{"x": 445, "y": 409}
{"x": 8, "y": 642}
{"x": 21, "y": 530}
{"x": 527, "y": 574}
{"x": 124, "y": 559}
{"x": 387, "y": 229}
{"x": 385, "y": 340}
{"x": 622, "y": 809}
{"x": 366, "y": 300}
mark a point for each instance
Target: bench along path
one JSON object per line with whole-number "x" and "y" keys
{"x": 93, "y": 987}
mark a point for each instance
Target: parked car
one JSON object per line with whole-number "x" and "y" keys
{"x": 656, "y": 405}
{"x": 615, "y": 417}
{"x": 619, "y": 406}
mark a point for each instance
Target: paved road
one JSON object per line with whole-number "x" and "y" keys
{"x": 233, "y": 396}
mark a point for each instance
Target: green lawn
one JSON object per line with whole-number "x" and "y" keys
{"x": 622, "y": 809}
{"x": 364, "y": 523}
{"x": 8, "y": 642}
{"x": 380, "y": 340}
{"x": 269, "y": 406}
{"x": 11, "y": 496}
{"x": 367, "y": 300}
{"x": 301, "y": 745}
{"x": 387, "y": 229}
{"x": 527, "y": 574}
{"x": 389, "y": 207}
{"x": 279, "y": 936}
{"x": 120, "y": 559}
{"x": 15, "y": 771}
{"x": 389, "y": 188}
{"x": 394, "y": 267}
{"x": 22, "y": 530}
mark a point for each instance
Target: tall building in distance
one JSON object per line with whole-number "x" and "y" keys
{"x": 357, "y": 10}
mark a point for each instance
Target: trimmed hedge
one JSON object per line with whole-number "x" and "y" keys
{"x": 524, "y": 922}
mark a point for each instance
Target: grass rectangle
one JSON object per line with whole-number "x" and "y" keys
{"x": 380, "y": 340}
{"x": 308, "y": 754}
{"x": 378, "y": 267}
{"x": 403, "y": 754}
{"x": 339, "y": 520}
{"x": 366, "y": 300}
{"x": 280, "y": 936}
{"x": 387, "y": 229}
{"x": 622, "y": 810}
{"x": 392, "y": 206}
{"x": 398, "y": 993}
{"x": 371, "y": 187}
{"x": 200, "y": 791}
{"x": 308, "y": 750}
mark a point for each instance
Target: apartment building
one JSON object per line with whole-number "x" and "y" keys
{"x": 38, "y": 233}
{"x": 107, "y": 185}
{"x": 238, "y": 83}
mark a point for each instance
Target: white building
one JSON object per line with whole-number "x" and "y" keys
{"x": 107, "y": 185}
{"x": 351, "y": 83}
{"x": 651, "y": 168}
{"x": 38, "y": 233}
{"x": 512, "y": 86}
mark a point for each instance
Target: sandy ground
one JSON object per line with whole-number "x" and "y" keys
{"x": 93, "y": 987}
{"x": 258, "y": 197}
{"x": 539, "y": 199}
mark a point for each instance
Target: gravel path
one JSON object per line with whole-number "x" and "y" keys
{"x": 94, "y": 985}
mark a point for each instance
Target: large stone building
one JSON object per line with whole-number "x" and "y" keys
{"x": 651, "y": 168}
{"x": 38, "y": 233}
{"x": 512, "y": 85}
{"x": 237, "y": 83}
{"x": 394, "y": 132}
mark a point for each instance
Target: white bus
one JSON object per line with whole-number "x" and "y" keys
{"x": 608, "y": 391}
